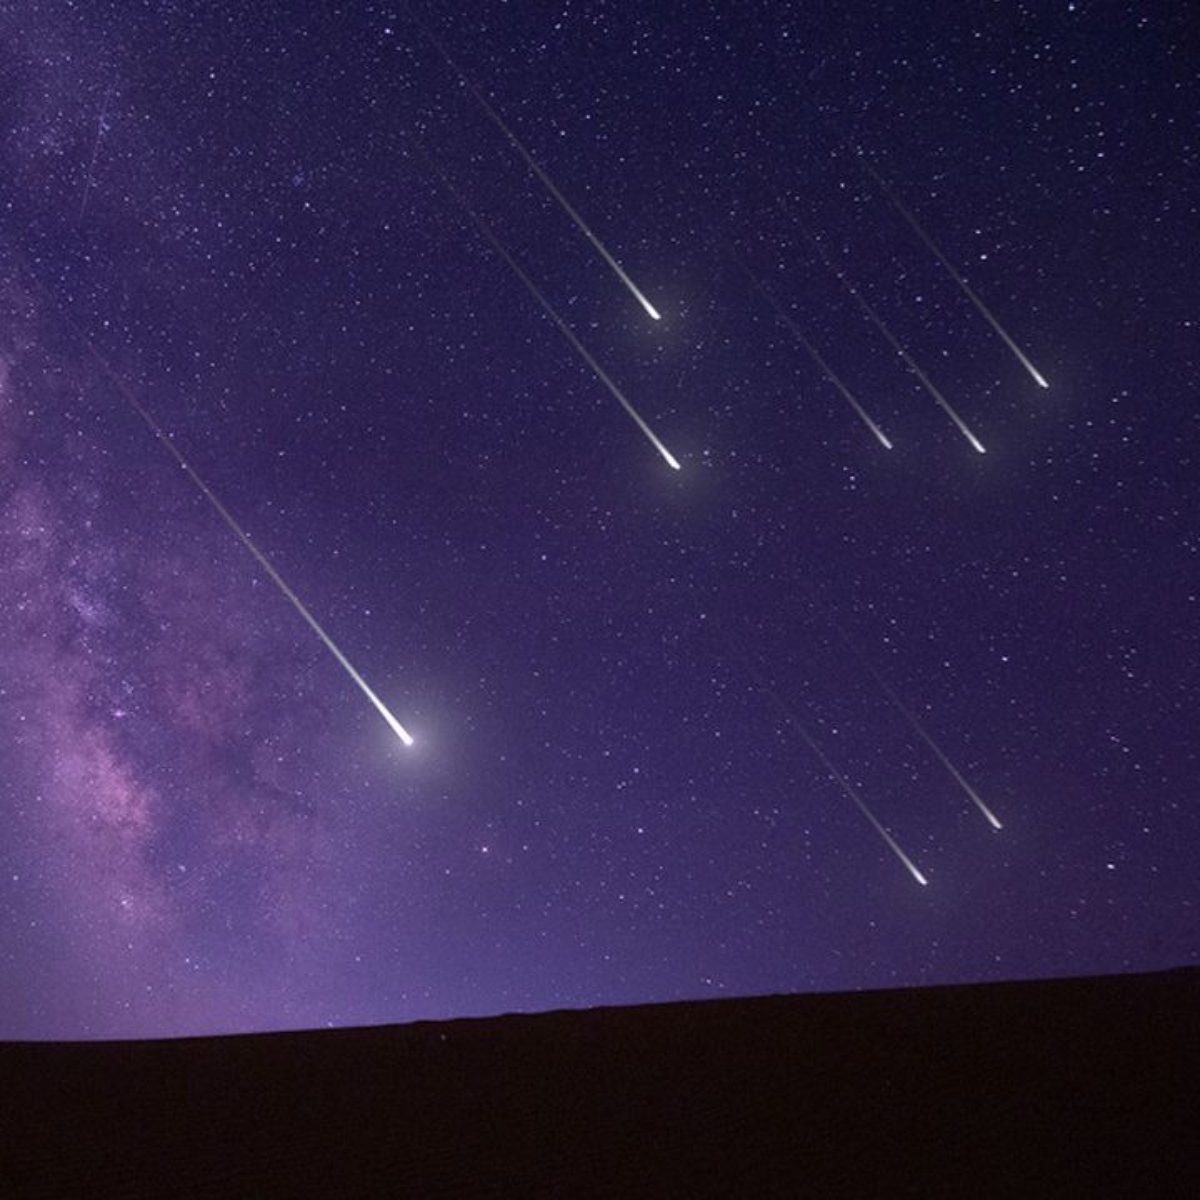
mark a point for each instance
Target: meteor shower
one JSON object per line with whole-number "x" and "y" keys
{"x": 521, "y": 506}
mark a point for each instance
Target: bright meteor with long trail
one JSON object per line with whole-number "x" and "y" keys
{"x": 923, "y": 734}
{"x": 909, "y": 716}
{"x": 786, "y": 318}
{"x": 852, "y": 792}
{"x": 538, "y": 170}
{"x": 486, "y": 230}
{"x": 972, "y": 794}
{"x": 967, "y": 290}
{"x": 225, "y": 515}
{"x": 847, "y": 787}
{"x": 259, "y": 557}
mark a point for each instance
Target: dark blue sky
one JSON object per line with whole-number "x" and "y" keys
{"x": 614, "y": 673}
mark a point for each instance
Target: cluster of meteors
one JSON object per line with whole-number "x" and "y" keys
{"x": 489, "y": 235}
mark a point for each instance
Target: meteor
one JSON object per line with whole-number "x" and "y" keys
{"x": 909, "y": 716}
{"x": 852, "y": 792}
{"x": 101, "y": 129}
{"x": 259, "y": 556}
{"x": 894, "y": 342}
{"x": 982, "y": 308}
{"x": 225, "y": 515}
{"x": 876, "y": 320}
{"x": 536, "y": 168}
{"x": 816, "y": 356}
{"x": 989, "y": 816}
{"x": 847, "y": 787}
{"x": 486, "y": 230}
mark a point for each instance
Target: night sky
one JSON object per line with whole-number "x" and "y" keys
{"x": 620, "y": 678}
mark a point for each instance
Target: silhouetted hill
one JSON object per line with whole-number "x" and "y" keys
{"x": 1084, "y": 1087}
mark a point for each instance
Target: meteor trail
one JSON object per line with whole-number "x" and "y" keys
{"x": 894, "y": 342}
{"x": 909, "y": 716}
{"x": 798, "y": 333}
{"x": 877, "y": 321}
{"x": 260, "y": 558}
{"x": 982, "y": 308}
{"x": 101, "y": 129}
{"x": 225, "y": 515}
{"x": 536, "y": 168}
{"x": 486, "y": 230}
{"x": 850, "y": 790}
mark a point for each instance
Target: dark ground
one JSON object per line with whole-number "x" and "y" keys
{"x": 1086, "y": 1087}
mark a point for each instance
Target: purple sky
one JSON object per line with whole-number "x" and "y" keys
{"x": 615, "y": 674}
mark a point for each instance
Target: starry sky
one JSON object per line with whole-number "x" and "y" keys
{"x": 629, "y": 688}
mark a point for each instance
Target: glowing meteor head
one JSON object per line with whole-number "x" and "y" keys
{"x": 667, "y": 456}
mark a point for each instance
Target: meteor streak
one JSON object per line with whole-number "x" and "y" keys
{"x": 989, "y": 816}
{"x": 816, "y": 356}
{"x": 225, "y": 515}
{"x": 876, "y": 320}
{"x": 101, "y": 129}
{"x": 536, "y": 168}
{"x": 894, "y": 342}
{"x": 850, "y": 790}
{"x": 486, "y": 230}
{"x": 259, "y": 557}
{"x": 910, "y": 717}
{"x": 982, "y": 308}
